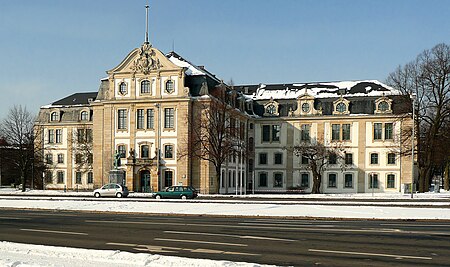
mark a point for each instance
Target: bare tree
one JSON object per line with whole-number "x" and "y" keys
{"x": 215, "y": 136}
{"x": 319, "y": 158}
{"x": 19, "y": 131}
{"x": 82, "y": 147}
{"x": 428, "y": 77}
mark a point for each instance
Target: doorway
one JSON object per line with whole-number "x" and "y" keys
{"x": 145, "y": 181}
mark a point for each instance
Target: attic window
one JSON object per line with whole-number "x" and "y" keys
{"x": 84, "y": 116}
{"x": 271, "y": 109}
{"x": 145, "y": 87}
{"x": 54, "y": 116}
{"x": 383, "y": 106}
{"x": 169, "y": 87}
{"x": 341, "y": 107}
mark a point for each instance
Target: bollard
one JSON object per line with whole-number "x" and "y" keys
{"x": 64, "y": 188}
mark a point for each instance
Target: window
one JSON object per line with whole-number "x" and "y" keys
{"x": 90, "y": 178}
{"x": 391, "y": 158}
{"x": 377, "y": 130}
{"x": 80, "y": 135}
{"x": 90, "y": 158}
{"x": 266, "y": 133}
{"x": 144, "y": 151}
{"x": 84, "y": 116}
{"x": 348, "y": 158}
{"x": 122, "y": 150}
{"x": 58, "y": 136}
{"x": 373, "y": 180}
{"x": 60, "y": 177}
{"x": 168, "y": 151}
{"x": 304, "y": 133}
{"x": 276, "y": 132}
{"x": 332, "y": 158}
{"x": 60, "y": 158}
{"x": 78, "y": 177}
{"x": 123, "y": 88}
{"x": 140, "y": 119}
{"x": 169, "y": 114}
{"x": 169, "y": 87}
{"x": 341, "y": 107}
{"x": 250, "y": 165}
{"x": 48, "y": 177}
{"x": 49, "y": 158}
{"x": 388, "y": 130}
{"x": 271, "y": 109}
{"x": 150, "y": 119}
{"x": 278, "y": 180}
{"x": 304, "y": 182}
{"x": 251, "y": 126}
{"x": 305, "y": 160}
{"x": 348, "y": 180}
{"x": 335, "y": 132}
{"x": 145, "y": 87}
{"x": 89, "y": 135}
{"x": 346, "y": 132}
{"x": 383, "y": 106}
{"x": 332, "y": 177}
{"x": 78, "y": 158}
{"x": 305, "y": 107}
{"x": 262, "y": 158}
{"x": 390, "y": 181}
{"x": 54, "y": 116}
{"x": 251, "y": 144}
{"x": 278, "y": 158}
{"x": 51, "y": 136}
{"x": 263, "y": 179}
{"x": 168, "y": 178}
{"x": 373, "y": 158}
{"x": 122, "y": 119}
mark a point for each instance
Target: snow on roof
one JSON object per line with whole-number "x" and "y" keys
{"x": 324, "y": 90}
{"x": 191, "y": 69}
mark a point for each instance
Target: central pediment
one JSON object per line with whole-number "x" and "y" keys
{"x": 144, "y": 60}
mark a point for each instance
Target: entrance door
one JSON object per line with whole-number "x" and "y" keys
{"x": 145, "y": 181}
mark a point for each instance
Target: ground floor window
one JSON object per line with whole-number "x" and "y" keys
{"x": 60, "y": 177}
{"x": 168, "y": 178}
{"x": 304, "y": 183}
{"x": 78, "y": 177}
{"x": 390, "y": 181}
{"x": 48, "y": 177}
{"x": 263, "y": 179}
{"x": 278, "y": 180}
{"x": 373, "y": 180}
{"x": 348, "y": 180}
{"x": 90, "y": 178}
{"x": 332, "y": 177}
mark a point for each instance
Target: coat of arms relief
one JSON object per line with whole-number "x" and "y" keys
{"x": 146, "y": 61}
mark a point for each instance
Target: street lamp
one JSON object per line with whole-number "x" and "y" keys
{"x": 413, "y": 98}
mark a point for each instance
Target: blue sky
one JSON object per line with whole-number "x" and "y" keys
{"x": 50, "y": 49}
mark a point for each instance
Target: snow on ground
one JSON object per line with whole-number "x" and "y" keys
{"x": 25, "y": 255}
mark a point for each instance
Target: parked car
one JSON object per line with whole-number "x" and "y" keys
{"x": 182, "y": 192}
{"x": 112, "y": 190}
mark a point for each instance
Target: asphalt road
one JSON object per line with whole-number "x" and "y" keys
{"x": 259, "y": 240}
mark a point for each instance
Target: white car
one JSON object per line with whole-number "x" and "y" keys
{"x": 111, "y": 190}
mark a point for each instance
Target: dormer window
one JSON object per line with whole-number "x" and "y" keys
{"x": 383, "y": 105}
{"x": 341, "y": 106}
{"x": 54, "y": 116}
{"x": 271, "y": 108}
{"x": 123, "y": 88}
{"x": 305, "y": 107}
{"x": 84, "y": 116}
{"x": 169, "y": 87}
{"x": 145, "y": 87}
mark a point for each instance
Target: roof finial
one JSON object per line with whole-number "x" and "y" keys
{"x": 146, "y": 24}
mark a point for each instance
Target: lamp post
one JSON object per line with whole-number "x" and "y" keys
{"x": 32, "y": 173}
{"x": 413, "y": 98}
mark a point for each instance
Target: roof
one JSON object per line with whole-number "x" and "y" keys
{"x": 318, "y": 89}
{"x": 76, "y": 99}
{"x": 191, "y": 69}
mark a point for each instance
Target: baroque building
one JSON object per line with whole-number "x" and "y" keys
{"x": 142, "y": 119}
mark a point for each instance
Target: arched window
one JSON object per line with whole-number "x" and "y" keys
{"x": 169, "y": 87}
{"x": 84, "y": 116}
{"x": 123, "y": 88}
{"x": 145, "y": 87}
{"x": 383, "y": 106}
{"x": 341, "y": 107}
{"x": 54, "y": 116}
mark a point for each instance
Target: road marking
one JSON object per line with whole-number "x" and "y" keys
{"x": 274, "y": 224}
{"x": 416, "y": 225}
{"x": 370, "y": 254}
{"x": 122, "y": 244}
{"x": 235, "y": 236}
{"x": 53, "y": 232}
{"x": 285, "y": 227}
{"x": 200, "y": 242}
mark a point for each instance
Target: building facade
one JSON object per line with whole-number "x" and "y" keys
{"x": 144, "y": 114}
